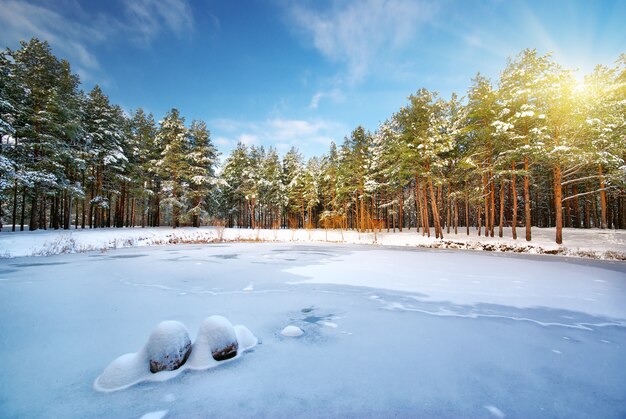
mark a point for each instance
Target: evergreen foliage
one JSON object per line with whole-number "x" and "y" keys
{"x": 532, "y": 149}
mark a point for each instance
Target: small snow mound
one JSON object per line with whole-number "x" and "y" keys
{"x": 245, "y": 338}
{"x": 250, "y": 287}
{"x": 292, "y": 331}
{"x": 123, "y": 372}
{"x": 495, "y": 411}
{"x": 159, "y": 414}
{"x": 168, "y": 346}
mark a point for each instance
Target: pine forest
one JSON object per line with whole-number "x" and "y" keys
{"x": 535, "y": 148}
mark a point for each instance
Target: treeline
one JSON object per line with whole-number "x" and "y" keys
{"x": 535, "y": 148}
{"x": 72, "y": 158}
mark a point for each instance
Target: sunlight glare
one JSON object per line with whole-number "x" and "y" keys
{"x": 579, "y": 81}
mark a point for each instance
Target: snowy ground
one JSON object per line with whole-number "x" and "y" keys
{"x": 590, "y": 243}
{"x": 387, "y": 332}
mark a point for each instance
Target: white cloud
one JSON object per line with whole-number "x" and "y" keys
{"x": 355, "y": 33}
{"x": 22, "y": 21}
{"x": 335, "y": 95}
{"x": 222, "y": 142}
{"x": 147, "y": 18}
{"x": 301, "y": 131}
{"x": 74, "y": 36}
{"x": 310, "y": 136}
{"x": 248, "y": 139}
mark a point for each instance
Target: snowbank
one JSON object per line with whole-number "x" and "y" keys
{"x": 591, "y": 243}
{"x": 165, "y": 354}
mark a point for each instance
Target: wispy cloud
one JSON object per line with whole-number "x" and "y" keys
{"x": 334, "y": 94}
{"x": 72, "y": 32}
{"x": 355, "y": 33}
{"x": 282, "y": 133}
{"x": 148, "y": 18}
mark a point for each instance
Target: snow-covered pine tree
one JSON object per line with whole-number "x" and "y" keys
{"x": 104, "y": 135}
{"x": 293, "y": 173}
{"x": 202, "y": 160}
{"x": 173, "y": 138}
{"x": 520, "y": 83}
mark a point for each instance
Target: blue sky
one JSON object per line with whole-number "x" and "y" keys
{"x": 303, "y": 73}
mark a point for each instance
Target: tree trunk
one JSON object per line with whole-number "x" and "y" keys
{"x": 602, "y": 199}
{"x": 527, "y": 214}
{"x": 14, "y": 214}
{"x": 400, "y": 208}
{"x": 486, "y": 203}
{"x": 448, "y": 214}
{"x": 514, "y": 198}
{"x": 433, "y": 204}
{"x": 34, "y": 206}
{"x": 23, "y": 208}
{"x": 501, "y": 226}
{"x": 425, "y": 209}
{"x": 467, "y": 209}
{"x": 456, "y": 216}
{"x": 492, "y": 209}
{"x": 558, "y": 204}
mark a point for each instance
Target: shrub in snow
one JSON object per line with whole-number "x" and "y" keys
{"x": 168, "y": 346}
{"x": 292, "y": 331}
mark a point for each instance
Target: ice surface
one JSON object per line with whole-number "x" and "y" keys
{"x": 472, "y": 279}
{"x": 292, "y": 331}
{"x": 159, "y": 414}
{"x": 495, "y": 411}
{"x": 416, "y": 350}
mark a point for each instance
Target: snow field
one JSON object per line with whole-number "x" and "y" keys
{"x": 169, "y": 352}
{"x": 588, "y": 243}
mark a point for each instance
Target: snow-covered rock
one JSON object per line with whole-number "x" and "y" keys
{"x": 216, "y": 341}
{"x": 168, "y": 346}
{"x": 292, "y": 331}
{"x": 169, "y": 351}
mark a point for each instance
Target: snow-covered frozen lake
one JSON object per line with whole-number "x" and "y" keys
{"x": 387, "y": 332}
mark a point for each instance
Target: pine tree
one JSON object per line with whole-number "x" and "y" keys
{"x": 202, "y": 180}
{"x": 173, "y": 138}
{"x": 107, "y": 161}
{"x": 233, "y": 195}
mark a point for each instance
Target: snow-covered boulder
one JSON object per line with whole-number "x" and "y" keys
{"x": 216, "y": 340}
{"x": 169, "y": 351}
{"x": 168, "y": 346}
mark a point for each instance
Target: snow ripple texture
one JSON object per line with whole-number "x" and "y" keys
{"x": 168, "y": 341}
